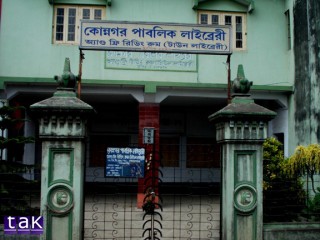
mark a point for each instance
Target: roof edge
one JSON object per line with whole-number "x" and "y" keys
{"x": 249, "y": 3}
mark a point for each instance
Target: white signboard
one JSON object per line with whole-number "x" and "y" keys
{"x": 155, "y": 37}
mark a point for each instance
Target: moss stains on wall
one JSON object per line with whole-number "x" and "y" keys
{"x": 307, "y": 70}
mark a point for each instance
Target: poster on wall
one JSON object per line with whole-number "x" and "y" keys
{"x": 125, "y": 162}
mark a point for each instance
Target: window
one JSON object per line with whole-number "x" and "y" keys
{"x": 67, "y": 21}
{"x": 204, "y": 18}
{"x": 236, "y": 20}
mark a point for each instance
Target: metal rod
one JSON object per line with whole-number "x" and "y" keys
{"x": 229, "y": 78}
{"x": 153, "y": 161}
{"x": 152, "y": 227}
{"x": 81, "y": 57}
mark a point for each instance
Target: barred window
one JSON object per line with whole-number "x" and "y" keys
{"x": 202, "y": 153}
{"x": 170, "y": 151}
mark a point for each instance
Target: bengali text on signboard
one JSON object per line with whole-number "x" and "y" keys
{"x": 155, "y": 37}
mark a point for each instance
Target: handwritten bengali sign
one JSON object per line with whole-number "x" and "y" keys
{"x": 151, "y": 61}
{"x": 155, "y": 37}
{"x": 125, "y": 162}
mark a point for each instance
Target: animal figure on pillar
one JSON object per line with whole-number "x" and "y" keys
{"x": 240, "y": 84}
{"x": 67, "y": 79}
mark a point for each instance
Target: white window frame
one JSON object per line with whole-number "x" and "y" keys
{"x": 78, "y": 16}
{"x": 221, "y": 17}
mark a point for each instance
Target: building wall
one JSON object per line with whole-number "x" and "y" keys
{"x": 28, "y": 56}
{"x": 27, "y": 49}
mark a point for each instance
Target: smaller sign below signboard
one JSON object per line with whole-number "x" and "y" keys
{"x": 151, "y": 61}
{"x": 125, "y": 162}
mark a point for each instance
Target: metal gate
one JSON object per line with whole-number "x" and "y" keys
{"x": 183, "y": 204}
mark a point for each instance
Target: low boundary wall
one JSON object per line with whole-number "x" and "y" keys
{"x": 291, "y": 231}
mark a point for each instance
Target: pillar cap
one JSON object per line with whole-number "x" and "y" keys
{"x": 242, "y": 107}
{"x": 63, "y": 101}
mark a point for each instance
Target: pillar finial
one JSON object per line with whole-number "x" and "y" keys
{"x": 67, "y": 79}
{"x": 241, "y": 84}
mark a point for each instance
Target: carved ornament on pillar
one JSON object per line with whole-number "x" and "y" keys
{"x": 245, "y": 197}
{"x": 60, "y": 199}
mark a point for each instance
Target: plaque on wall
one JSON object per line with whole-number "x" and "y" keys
{"x": 125, "y": 162}
{"x": 151, "y": 61}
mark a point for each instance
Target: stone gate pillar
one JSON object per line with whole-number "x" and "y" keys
{"x": 62, "y": 130}
{"x": 241, "y": 128}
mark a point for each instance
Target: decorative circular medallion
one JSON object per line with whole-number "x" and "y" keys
{"x": 60, "y": 199}
{"x": 245, "y": 197}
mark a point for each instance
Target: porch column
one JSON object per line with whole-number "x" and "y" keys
{"x": 62, "y": 130}
{"x": 149, "y": 117}
{"x": 241, "y": 128}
